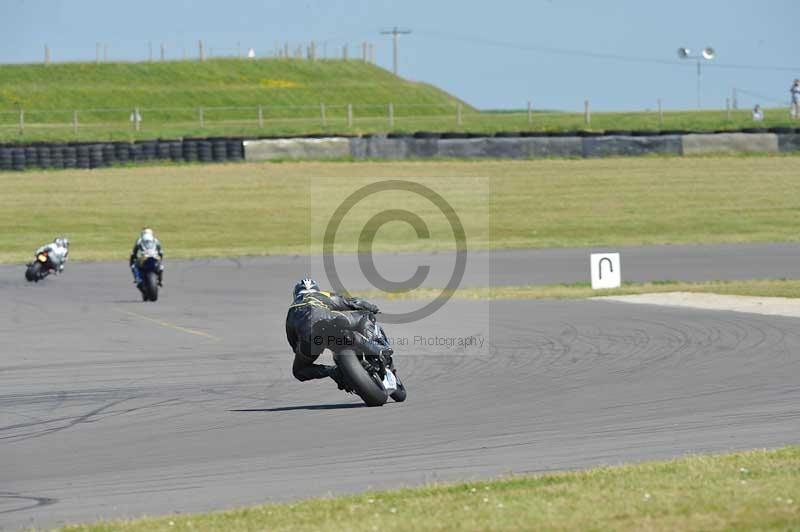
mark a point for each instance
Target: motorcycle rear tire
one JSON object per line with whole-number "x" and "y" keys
{"x": 151, "y": 286}
{"x": 368, "y": 388}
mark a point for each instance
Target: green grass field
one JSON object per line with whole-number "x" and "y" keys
{"x": 757, "y": 287}
{"x": 263, "y": 209}
{"x": 755, "y": 490}
{"x": 171, "y": 94}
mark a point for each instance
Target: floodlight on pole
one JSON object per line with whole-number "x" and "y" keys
{"x": 395, "y": 33}
{"x": 707, "y": 53}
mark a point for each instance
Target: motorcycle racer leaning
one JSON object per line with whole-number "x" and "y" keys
{"x": 146, "y": 239}
{"x": 57, "y": 252}
{"x": 317, "y": 320}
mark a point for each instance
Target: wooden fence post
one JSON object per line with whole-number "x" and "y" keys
{"x": 200, "y": 117}
{"x": 137, "y": 119}
{"x": 349, "y": 115}
{"x": 75, "y": 122}
{"x": 391, "y": 115}
{"x": 323, "y": 118}
{"x": 728, "y": 109}
{"x": 260, "y": 116}
{"x": 660, "y": 114}
{"x": 530, "y": 113}
{"x": 21, "y": 121}
{"x": 587, "y": 113}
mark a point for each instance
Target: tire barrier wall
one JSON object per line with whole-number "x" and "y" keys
{"x": 301, "y": 148}
{"x": 104, "y": 154}
{"x": 694, "y": 144}
{"x": 421, "y": 145}
{"x": 506, "y": 146}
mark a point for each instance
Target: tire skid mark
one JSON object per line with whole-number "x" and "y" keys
{"x": 29, "y": 501}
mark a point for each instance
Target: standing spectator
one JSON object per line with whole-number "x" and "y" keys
{"x": 795, "y": 91}
{"x": 758, "y": 114}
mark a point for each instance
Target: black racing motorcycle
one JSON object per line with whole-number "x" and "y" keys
{"x": 40, "y": 268}
{"x": 373, "y": 378}
{"x": 147, "y": 272}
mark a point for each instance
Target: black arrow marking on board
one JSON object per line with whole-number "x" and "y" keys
{"x": 600, "y": 266}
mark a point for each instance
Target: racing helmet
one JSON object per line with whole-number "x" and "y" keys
{"x": 62, "y": 242}
{"x": 304, "y": 286}
{"x": 147, "y": 235}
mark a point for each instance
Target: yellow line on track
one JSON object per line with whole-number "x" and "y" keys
{"x": 169, "y": 325}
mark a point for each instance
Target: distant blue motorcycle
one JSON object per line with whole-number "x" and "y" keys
{"x": 147, "y": 272}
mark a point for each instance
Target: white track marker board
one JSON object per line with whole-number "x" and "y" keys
{"x": 606, "y": 270}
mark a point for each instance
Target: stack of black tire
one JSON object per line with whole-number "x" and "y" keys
{"x": 100, "y": 155}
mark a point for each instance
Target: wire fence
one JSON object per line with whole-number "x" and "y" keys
{"x": 210, "y": 117}
{"x": 266, "y": 119}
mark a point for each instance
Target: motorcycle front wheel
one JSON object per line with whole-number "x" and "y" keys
{"x": 34, "y": 272}
{"x": 151, "y": 286}
{"x": 399, "y": 395}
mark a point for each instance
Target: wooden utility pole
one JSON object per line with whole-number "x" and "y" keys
{"x": 395, "y": 33}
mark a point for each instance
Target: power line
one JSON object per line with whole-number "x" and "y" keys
{"x": 527, "y": 47}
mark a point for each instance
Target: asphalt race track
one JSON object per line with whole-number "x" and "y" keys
{"x": 110, "y": 407}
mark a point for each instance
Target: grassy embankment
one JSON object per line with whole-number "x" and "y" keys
{"x": 171, "y": 94}
{"x": 755, "y": 490}
{"x": 258, "y": 209}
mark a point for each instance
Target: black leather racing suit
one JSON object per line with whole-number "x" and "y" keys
{"x": 322, "y": 320}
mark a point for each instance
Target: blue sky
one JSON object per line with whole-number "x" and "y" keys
{"x": 620, "y": 54}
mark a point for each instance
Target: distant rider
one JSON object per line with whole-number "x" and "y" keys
{"x": 57, "y": 252}
{"x": 318, "y": 320}
{"x": 147, "y": 239}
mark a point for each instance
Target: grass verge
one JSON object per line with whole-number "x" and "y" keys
{"x": 742, "y": 491}
{"x": 261, "y": 209}
{"x": 94, "y": 102}
{"x": 760, "y": 288}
